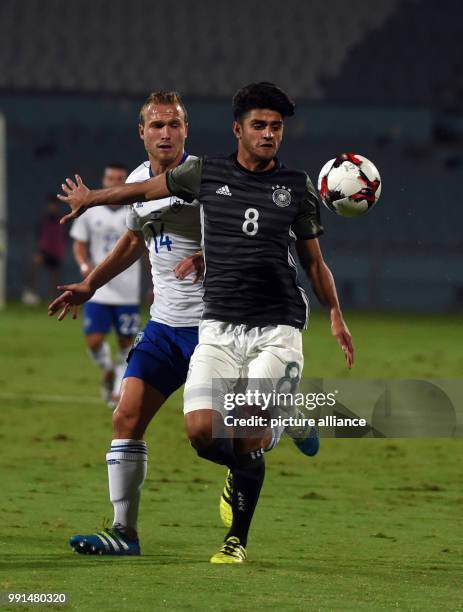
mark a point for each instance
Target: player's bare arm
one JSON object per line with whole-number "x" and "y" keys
{"x": 322, "y": 281}
{"x": 80, "y": 198}
{"x": 129, "y": 248}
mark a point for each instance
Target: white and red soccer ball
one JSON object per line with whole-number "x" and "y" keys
{"x": 349, "y": 185}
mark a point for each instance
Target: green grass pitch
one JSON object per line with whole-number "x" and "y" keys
{"x": 366, "y": 525}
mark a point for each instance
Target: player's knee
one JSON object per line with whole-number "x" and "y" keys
{"x": 200, "y": 436}
{"x": 126, "y": 423}
{"x": 94, "y": 343}
{"x": 119, "y": 420}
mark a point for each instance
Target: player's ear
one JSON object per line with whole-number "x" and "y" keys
{"x": 141, "y": 130}
{"x": 237, "y": 129}
{"x": 186, "y": 129}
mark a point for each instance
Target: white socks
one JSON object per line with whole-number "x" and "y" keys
{"x": 102, "y": 356}
{"x": 121, "y": 364}
{"x": 127, "y": 467}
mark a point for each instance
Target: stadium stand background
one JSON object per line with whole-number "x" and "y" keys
{"x": 385, "y": 82}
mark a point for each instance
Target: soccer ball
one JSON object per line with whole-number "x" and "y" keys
{"x": 349, "y": 185}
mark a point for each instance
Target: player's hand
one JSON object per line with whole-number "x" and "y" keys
{"x": 70, "y": 300}
{"x": 189, "y": 265}
{"x": 76, "y": 196}
{"x": 343, "y": 336}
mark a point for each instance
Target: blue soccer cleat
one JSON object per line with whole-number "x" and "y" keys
{"x": 107, "y": 542}
{"x": 310, "y": 445}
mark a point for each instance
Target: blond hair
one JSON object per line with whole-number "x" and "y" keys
{"x": 163, "y": 97}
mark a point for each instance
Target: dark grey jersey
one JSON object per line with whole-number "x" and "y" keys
{"x": 249, "y": 220}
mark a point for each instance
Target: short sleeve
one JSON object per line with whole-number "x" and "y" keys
{"x": 132, "y": 220}
{"x": 80, "y": 230}
{"x": 307, "y": 223}
{"x": 184, "y": 181}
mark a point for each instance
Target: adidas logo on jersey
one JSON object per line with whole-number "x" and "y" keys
{"x": 224, "y": 191}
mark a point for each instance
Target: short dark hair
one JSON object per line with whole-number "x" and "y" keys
{"x": 261, "y": 95}
{"x": 118, "y": 166}
{"x": 163, "y": 97}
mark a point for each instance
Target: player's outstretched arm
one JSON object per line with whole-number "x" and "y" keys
{"x": 323, "y": 284}
{"x": 128, "y": 249}
{"x": 80, "y": 198}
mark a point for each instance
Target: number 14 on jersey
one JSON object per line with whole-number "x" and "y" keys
{"x": 164, "y": 240}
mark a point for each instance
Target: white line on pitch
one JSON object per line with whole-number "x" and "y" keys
{"x": 59, "y": 399}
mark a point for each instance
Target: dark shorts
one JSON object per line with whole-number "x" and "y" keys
{"x": 161, "y": 356}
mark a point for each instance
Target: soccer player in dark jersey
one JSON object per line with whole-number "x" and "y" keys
{"x": 253, "y": 209}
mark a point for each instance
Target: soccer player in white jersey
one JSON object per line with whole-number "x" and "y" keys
{"x": 158, "y": 363}
{"x": 116, "y": 304}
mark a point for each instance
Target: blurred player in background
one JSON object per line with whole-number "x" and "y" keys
{"x": 253, "y": 209}
{"x": 51, "y": 246}
{"x": 116, "y": 305}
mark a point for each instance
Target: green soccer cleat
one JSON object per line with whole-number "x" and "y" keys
{"x": 225, "y": 504}
{"x": 231, "y": 552}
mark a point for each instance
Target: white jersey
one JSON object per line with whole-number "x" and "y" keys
{"x": 101, "y": 227}
{"x": 172, "y": 231}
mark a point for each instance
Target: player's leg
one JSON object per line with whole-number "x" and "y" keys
{"x": 212, "y": 373}
{"x": 214, "y": 369}
{"x": 126, "y": 321}
{"x": 99, "y": 351}
{"x": 245, "y": 460}
{"x": 244, "y": 482}
{"x": 96, "y": 325}
{"x": 275, "y": 354}
{"x": 261, "y": 365}
{"x": 128, "y": 455}
{"x": 151, "y": 376}
{"x": 270, "y": 350}
{"x": 127, "y": 461}
{"x": 157, "y": 366}
{"x": 120, "y": 363}
{"x": 278, "y": 366}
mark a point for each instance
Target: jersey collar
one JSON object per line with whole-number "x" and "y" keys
{"x": 184, "y": 156}
{"x": 276, "y": 167}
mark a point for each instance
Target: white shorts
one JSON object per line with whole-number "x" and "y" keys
{"x": 228, "y": 355}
